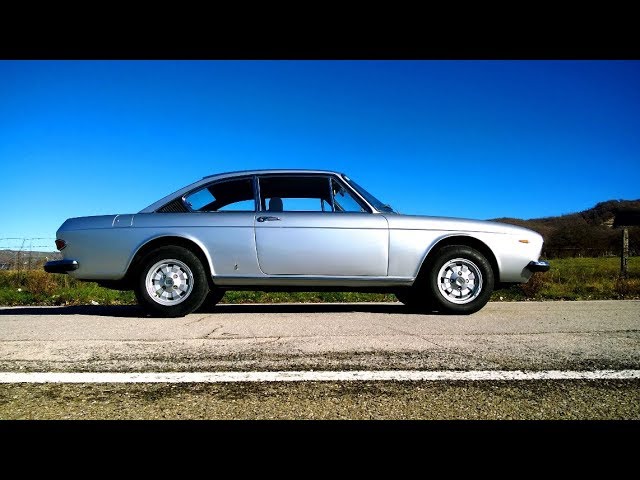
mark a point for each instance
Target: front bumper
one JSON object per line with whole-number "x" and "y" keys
{"x": 539, "y": 266}
{"x": 60, "y": 266}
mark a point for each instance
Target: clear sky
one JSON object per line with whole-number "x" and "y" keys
{"x": 476, "y": 139}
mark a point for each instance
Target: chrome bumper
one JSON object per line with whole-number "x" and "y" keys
{"x": 60, "y": 266}
{"x": 539, "y": 266}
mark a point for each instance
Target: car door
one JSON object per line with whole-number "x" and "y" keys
{"x": 302, "y": 229}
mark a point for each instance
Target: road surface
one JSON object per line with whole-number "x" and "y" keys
{"x": 529, "y": 336}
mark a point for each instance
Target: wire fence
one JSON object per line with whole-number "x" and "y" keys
{"x": 27, "y": 253}
{"x": 579, "y": 252}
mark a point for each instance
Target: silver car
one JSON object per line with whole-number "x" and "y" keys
{"x": 292, "y": 230}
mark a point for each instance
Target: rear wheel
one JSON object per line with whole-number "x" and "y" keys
{"x": 460, "y": 280}
{"x": 171, "y": 282}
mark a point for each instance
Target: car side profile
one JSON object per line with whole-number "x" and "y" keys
{"x": 292, "y": 230}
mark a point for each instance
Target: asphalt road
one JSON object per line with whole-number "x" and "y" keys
{"x": 593, "y": 335}
{"x": 502, "y": 336}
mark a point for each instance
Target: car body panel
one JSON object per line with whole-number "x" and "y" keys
{"x": 322, "y": 243}
{"x": 226, "y": 237}
{"x": 412, "y": 237}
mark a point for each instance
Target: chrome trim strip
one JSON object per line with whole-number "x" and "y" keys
{"x": 312, "y": 281}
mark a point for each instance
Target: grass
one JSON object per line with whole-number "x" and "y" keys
{"x": 568, "y": 279}
{"x": 34, "y": 287}
{"x": 579, "y": 279}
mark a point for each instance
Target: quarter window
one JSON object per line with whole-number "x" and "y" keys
{"x": 232, "y": 195}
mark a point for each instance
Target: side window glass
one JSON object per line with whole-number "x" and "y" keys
{"x": 232, "y": 195}
{"x": 343, "y": 200}
{"x": 295, "y": 194}
{"x": 241, "y": 206}
{"x": 199, "y": 200}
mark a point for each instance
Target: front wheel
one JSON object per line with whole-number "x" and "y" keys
{"x": 171, "y": 282}
{"x": 415, "y": 299}
{"x": 460, "y": 280}
{"x": 211, "y": 300}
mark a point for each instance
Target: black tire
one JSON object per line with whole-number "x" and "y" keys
{"x": 211, "y": 300}
{"x": 416, "y": 299}
{"x": 404, "y": 296}
{"x": 461, "y": 269}
{"x": 181, "y": 293}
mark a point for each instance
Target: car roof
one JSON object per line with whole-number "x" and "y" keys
{"x": 205, "y": 180}
{"x": 268, "y": 171}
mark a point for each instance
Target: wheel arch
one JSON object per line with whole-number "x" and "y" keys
{"x": 190, "y": 244}
{"x": 464, "y": 240}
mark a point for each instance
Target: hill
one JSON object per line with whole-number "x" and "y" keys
{"x": 589, "y": 233}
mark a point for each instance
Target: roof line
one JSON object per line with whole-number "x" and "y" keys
{"x": 272, "y": 170}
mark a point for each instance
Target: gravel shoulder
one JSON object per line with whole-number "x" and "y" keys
{"x": 548, "y": 400}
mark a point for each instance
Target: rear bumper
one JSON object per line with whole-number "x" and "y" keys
{"x": 60, "y": 266}
{"x": 539, "y": 266}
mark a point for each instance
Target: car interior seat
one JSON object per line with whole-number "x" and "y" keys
{"x": 275, "y": 204}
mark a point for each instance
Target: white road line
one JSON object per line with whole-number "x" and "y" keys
{"x": 311, "y": 376}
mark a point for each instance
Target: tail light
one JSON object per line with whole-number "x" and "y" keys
{"x": 60, "y": 244}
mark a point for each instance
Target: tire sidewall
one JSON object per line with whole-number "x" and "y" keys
{"x": 199, "y": 290}
{"x": 468, "y": 253}
{"x": 211, "y": 300}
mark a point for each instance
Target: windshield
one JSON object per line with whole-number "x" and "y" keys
{"x": 377, "y": 204}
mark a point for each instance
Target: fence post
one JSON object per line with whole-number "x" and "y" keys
{"x": 624, "y": 259}
{"x": 626, "y": 217}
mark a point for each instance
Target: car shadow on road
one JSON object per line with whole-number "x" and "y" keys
{"x": 395, "y": 308}
{"x": 94, "y": 310}
{"x": 134, "y": 311}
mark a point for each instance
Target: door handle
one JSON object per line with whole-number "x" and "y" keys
{"x": 267, "y": 219}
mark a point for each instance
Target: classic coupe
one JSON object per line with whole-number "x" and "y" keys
{"x": 292, "y": 230}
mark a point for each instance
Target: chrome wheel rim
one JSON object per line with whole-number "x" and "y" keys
{"x": 169, "y": 282}
{"x": 460, "y": 281}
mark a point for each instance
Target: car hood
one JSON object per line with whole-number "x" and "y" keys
{"x": 423, "y": 222}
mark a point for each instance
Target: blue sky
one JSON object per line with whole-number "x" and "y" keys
{"x": 477, "y": 139}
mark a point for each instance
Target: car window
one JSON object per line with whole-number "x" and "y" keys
{"x": 343, "y": 200}
{"x": 231, "y": 195}
{"x": 295, "y": 194}
{"x": 380, "y": 206}
{"x": 307, "y": 194}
